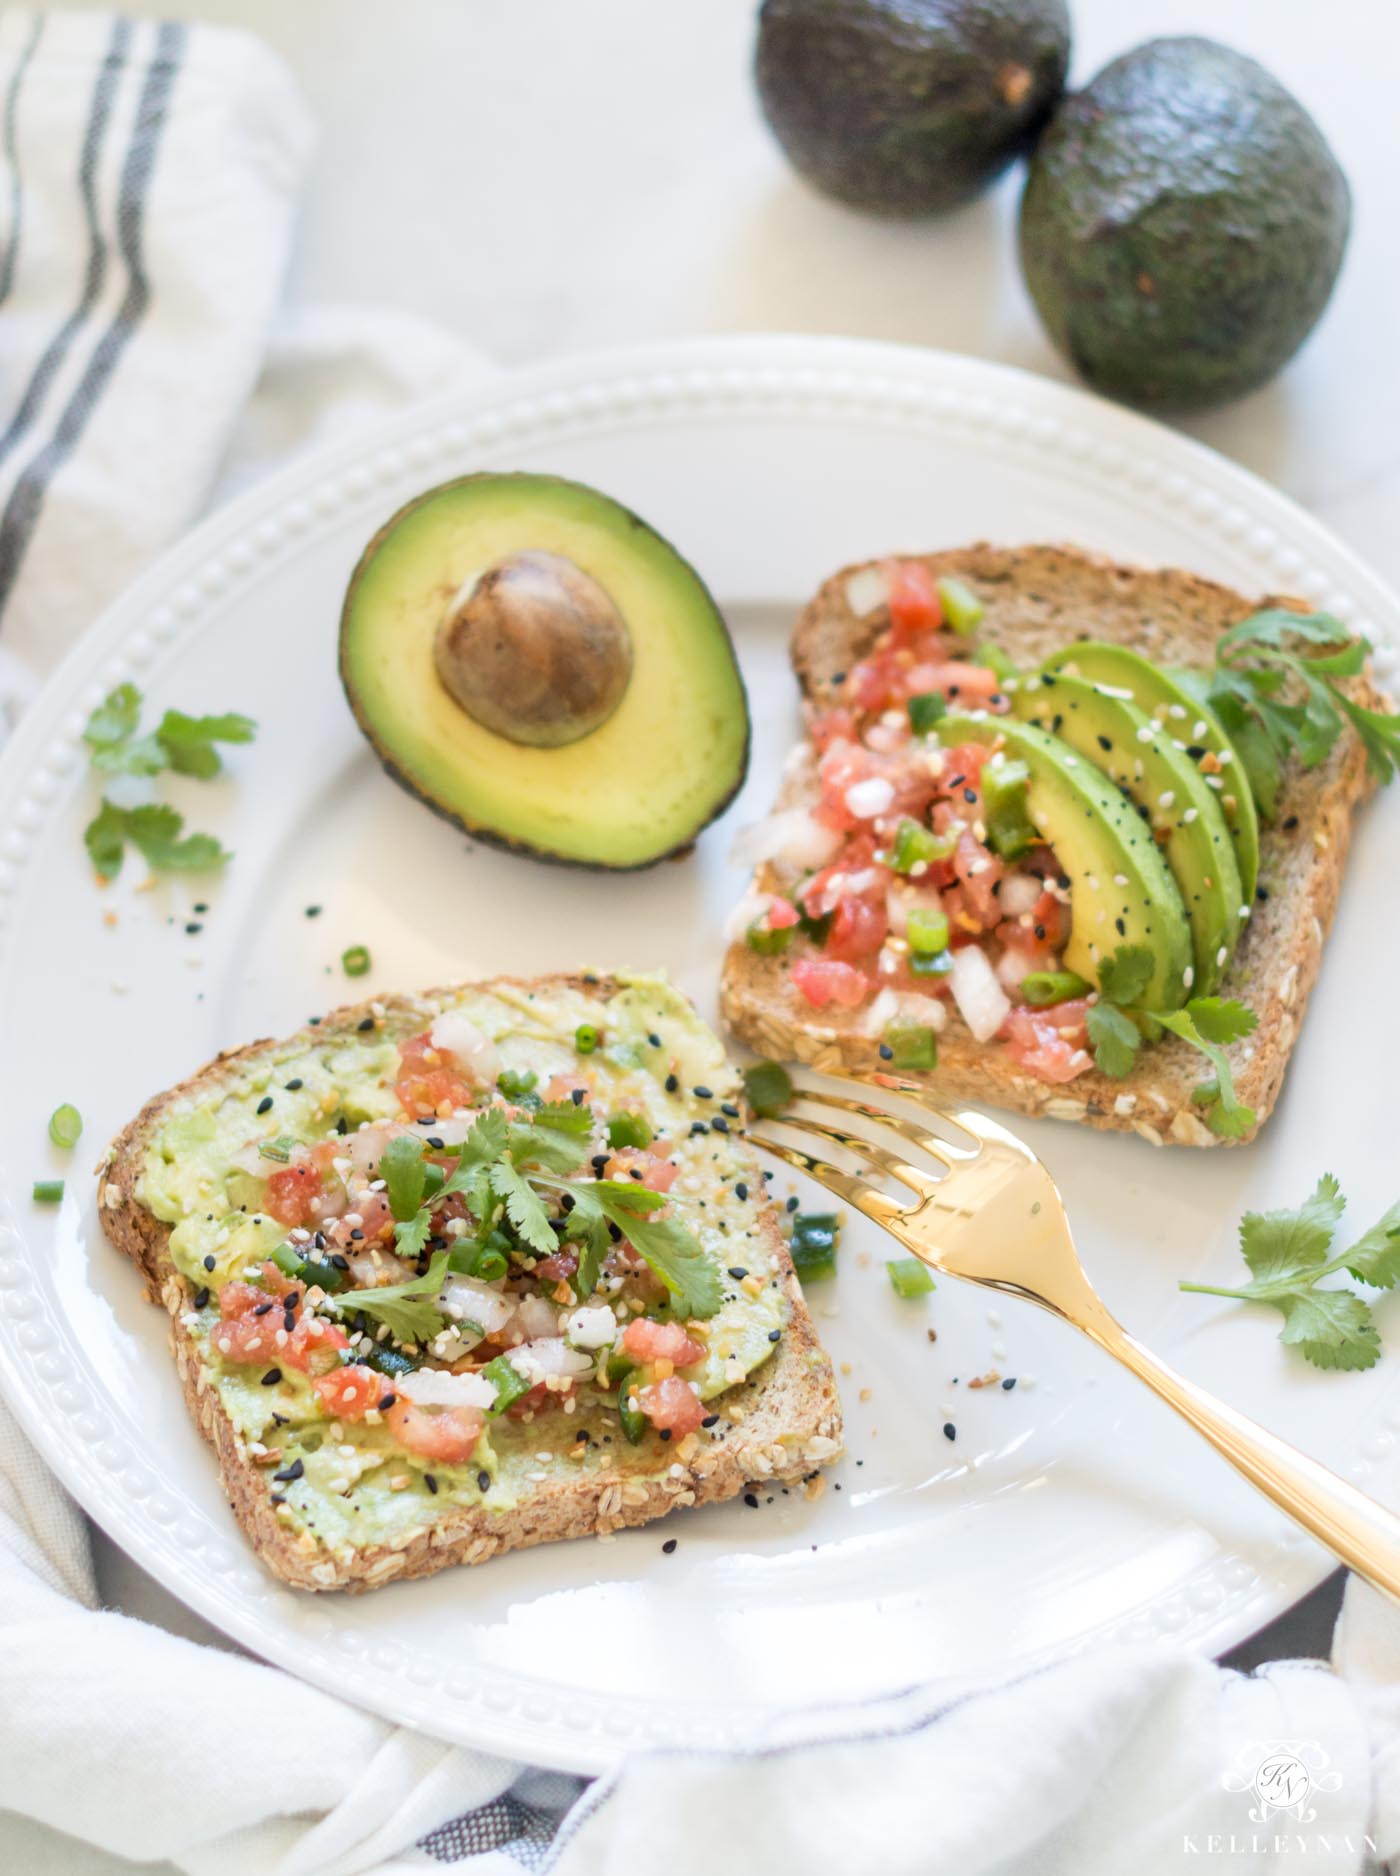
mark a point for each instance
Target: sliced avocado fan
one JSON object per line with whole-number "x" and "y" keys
{"x": 1170, "y": 795}
{"x": 538, "y": 665}
{"x": 1121, "y": 889}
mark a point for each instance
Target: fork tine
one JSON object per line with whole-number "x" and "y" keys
{"x": 868, "y": 1150}
{"x": 931, "y": 1143}
{"x": 884, "y": 1210}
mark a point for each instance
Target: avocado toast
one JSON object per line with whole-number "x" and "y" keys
{"x": 453, "y": 1274}
{"x": 1019, "y": 880}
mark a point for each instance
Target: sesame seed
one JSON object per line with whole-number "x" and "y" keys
{"x": 201, "y": 1299}
{"x": 668, "y": 1546}
{"x": 950, "y": 1432}
{"x": 265, "y": 1105}
{"x": 702, "y": 1093}
{"x": 290, "y": 1473}
{"x": 209, "y": 1263}
{"x": 272, "y": 1377}
{"x": 365, "y": 1025}
{"x": 483, "y": 1480}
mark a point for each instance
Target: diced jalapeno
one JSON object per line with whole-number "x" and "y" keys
{"x": 909, "y": 1277}
{"x": 626, "y": 1130}
{"x": 925, "y": 710}
{"x": 813, "y": 1244}
{"x": 768, "y": 942}
{"x": 389, "y": 1361}
{"x": 65, "y": 1125}
{"x": 634, "y": 1421}
{"x": 769, "y": 1087}
{"x": 963, "y": 611}
{"x": 911, "y": 1045}
{"x": 934, "y": 964}
{"x": 1042, "y": 988}
{"x": 915, "y": 845}
{"x": 1010, "y": 830}
{"x": 508, "y": 1383}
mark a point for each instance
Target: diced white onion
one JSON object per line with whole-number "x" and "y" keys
{"x": 981, "y": 1001}
{"x": 536, "y": 1317}
{"x": 865, "y": 590}
{"x": 435, "y": 1387}
{"x": 1015, "y": 967}
{"x": 1019, "y": 893}
{"x": 467, "y": 1299}
{"x": 371, "y": 1269}
{"x": 592, "y": 1328}
{"x": 869, "y": 798}
{"x": 365, "y": 1149}
{"x": 459, "y": 1036}
{"x": 903, "y": 1006}
{"x": 550, "y": 1355}
{"x": 791, "y": 835}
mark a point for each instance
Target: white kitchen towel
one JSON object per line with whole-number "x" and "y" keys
{"x": 150, "y": 1745}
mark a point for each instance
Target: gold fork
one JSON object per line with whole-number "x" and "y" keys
{"x": 992, "y": 1214}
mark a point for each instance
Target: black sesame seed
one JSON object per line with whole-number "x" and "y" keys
{"x": 265, "y": 1105}
{"x": 950, "y": 1432}
{"x": 668, "y": 1546}
{"x": 720, "y": 1124}
{"x": 710, "y": 1420}
{"x": 313, "y": 911}
{"x": 435, "y": 1142}
{"x": 970, "y": 796}
{"x": 671, "y": 1084}
{"x": 576, "y": 1096}
{"x": 1195, "y": 751}
{"x": 295, "y": 1083}
{"x": 751, "y": 1500}
{"x": 886, "y": 1052}
{"x": 775, "y": 1335}
{"x": 289, "y": 1473}
{"x": 1261, "y": 893}
{"x": 1105, "y": 742}
{"x": 702, "y": 1093}
{"x": 1008, "y": 1384}
{"x": 665, "y": 1433}
{"x": 192, "y": 926}
{"x": 264, "y": 1308}
{"x": 365, "y": 1025}
{"x": 1290, "y": 823}
{"x": 741, "y": 1191}
{"x": 699, "y": 1126}
{"x": 340, "y": 1262}
{"x": 1120, "y": 928}
{"x": 357, "y": 1236}
{"x": 272, "y": 1377}
{"x": 483, "y": 1481}
{"x": 738, "y": 1272}
{"x": 342, "y": 1125}
{"x": 200, "y": 906}
{"x": 314, "y": 1022}
{"x": 599, "y": 1163}
{"x": 430, "y": 1482}
{"x": 728, "y": 1107}
{"x": 289, "y": 1322}
{"x": 655, "y": 1041}
{"x": 792, "y": 1204}
{"x": 209, "y": 1263}
{"x": 201, "y": 1299}
{"x": 291, "y": 1299}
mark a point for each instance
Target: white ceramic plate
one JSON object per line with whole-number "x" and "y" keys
{"x": 1073, "y": 1509}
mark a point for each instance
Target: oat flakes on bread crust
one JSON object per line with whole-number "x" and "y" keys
{"x": 791, "y": 1421}
{"x": 1039, "y": 599}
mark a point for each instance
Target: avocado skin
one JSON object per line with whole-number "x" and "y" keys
{"x": 1182, "y": 226}
{"x": 909, "y": 107}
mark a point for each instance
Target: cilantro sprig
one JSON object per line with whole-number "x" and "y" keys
{"x": 1276, "y": 694}
{"x": 1208, "y": 1024}
{"x": 502, "y": 1166}
{"x": 185, "y": 744}
{"x": 408, "y": 1310}
{"x": 1287, "y": 1253}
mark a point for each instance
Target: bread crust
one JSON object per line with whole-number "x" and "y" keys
{"x": 791, "y": 1421}
{"x": 1040, "y": 599}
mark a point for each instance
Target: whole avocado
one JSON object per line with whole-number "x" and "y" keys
{"x": 1182, "y": 226}
{"x": 908, "y": 107}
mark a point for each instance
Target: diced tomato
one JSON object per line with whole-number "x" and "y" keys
{"x": 1051, "y": 918}
{"x": 970, "y": 685}
{"x": 447, "y": 1437}
{"x": 241, "y": 1299}
{"x": 912, "y": 596}
{"x": 375, "y": 1219}
{"x": 782, "y": 914}
{"x": 349, "y": 1393}
{"x": 658, "y": 1172}
{"x": 430, "y": 1080}
{"x": 1050, "y": 1043}
{"x": 558, "y": 1267}
{"x": 672, "y": 1405}
{"x": 294, "y": 1193}
{"x": 827, "y": 980}
{"x": 832, "y": 726}
{"x": 645, "y": 1340}
{"x": 962, "y": 767}
{"x": 978, "y": 870}
{"x": 859, "y": 927}
{"x": 822, "y": 892}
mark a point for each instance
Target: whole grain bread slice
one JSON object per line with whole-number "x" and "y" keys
{"x": 1038, "y": 600}
{"x": 785, "y": 1423}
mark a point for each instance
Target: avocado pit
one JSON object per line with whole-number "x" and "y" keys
{"x": 535, "y": 650}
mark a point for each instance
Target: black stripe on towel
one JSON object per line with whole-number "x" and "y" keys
{"x": 26, "y": 501}
{"x": 95, "y": 276}
{"x": 7, "y": 261}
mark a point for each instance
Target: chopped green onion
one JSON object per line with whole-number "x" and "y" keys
{"x": 930, "y": 964}
{"x": 320, "y": 1270}
{"x": 962, "y": 609}
{"x": 288, "y": 1260}
{"x": 813, "y": 1244}
{"x": 993, "y": 658}
{"x": 915, "y": 846}
{"x": 634, "y": 1421}
{"x": 909, "y": 1276}
{"x": 514, "y": 1082}
{"x": 508, "y": 1383}
{"x": 911, "y": 1045}
{"x": 769, "y": 1088}
{"x": 766, "y": 941}
{"x": 629, "y": 1130}
{"x": 65, "y": 1125}
{"x": 586, "y": 1038}
{"x": 927, "y": 931}
{"x": 278, "y": 1149}
{"x": 48, "y": 1191}
{"x": 925, "y": 710}
{"x": 1042, "y": 988}
{"x": 355, "y": 961}
{"x": 390, "y": 1361}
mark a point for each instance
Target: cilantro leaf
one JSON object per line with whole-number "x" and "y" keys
{"x": 556, "y": 1136}
{"x": 1115, "y": 1039}
{"x": 1274, "y": 626}
{"x": 1225, "y": 1113}
{"x": 1375, "y": 1256}
{"x": 402, "y": 1168}
{"x": 1380, "y": 737}
{"x": 1330, "y": 1328}
{"x": 678, "y": 1258}
{"x": 1124, "y": 976}
{"x": 588, "y": 1229}
{"x": 1221, "y": 1019}
{"x": 524, "y": 1207}
{"x": 105, "y": 839}
{"x": 411, "y": 1235}
{"x": 188, "y": 742}
{"x": 114, "y": 719}
{"x": 409, "y": 1310}
{"x": 1281, "y": 1246}
{"x": 139, "y": 755}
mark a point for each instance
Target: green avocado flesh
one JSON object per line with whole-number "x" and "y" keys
{"x": 1182, "y": 227}
{"x": 1171, "y": 797}
{"x": 639, "y": 786}
{"x": 356, "y": 1484}
{"x": 1191, "y": 725}
{"x": 1121, "y": 891}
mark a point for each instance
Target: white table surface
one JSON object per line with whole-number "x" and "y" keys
{"x": 551, "y": 176}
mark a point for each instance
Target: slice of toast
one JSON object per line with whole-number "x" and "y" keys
{"x": 782, "y": 1422}
{"x": 1038, "y": 600}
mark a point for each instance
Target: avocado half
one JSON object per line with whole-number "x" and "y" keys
{"x": 605, "y": 721}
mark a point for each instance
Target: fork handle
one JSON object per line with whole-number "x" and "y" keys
{"x": 1354, "y": 1527}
